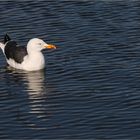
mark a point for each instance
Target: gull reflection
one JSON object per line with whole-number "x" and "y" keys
{"x": 33, "y": 83}
{"x": 37, "y": 93}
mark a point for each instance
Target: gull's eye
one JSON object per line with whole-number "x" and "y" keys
{"x": 39, "y": 44}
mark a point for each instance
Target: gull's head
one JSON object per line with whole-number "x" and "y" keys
{"x": 37, "y": 44}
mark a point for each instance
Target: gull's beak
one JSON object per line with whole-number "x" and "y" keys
{"x": 49, "y": 46}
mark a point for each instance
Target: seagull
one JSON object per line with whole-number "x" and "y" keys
{"x": 28, "y": 58}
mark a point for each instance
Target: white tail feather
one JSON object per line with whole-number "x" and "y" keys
{"x": 2, "y": 46}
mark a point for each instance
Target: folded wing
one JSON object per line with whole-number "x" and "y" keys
{"x": 12, "y": 51}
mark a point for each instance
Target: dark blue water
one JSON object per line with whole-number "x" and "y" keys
{"x": 91, "y": 85}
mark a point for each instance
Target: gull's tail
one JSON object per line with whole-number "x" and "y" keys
{"x": 5, "y": 40}
{"x": 2, "y": 46}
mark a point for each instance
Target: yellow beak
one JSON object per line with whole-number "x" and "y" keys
{"x": 50, "y": 46}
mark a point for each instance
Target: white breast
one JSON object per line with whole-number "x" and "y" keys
{"x": 34, "y": 61}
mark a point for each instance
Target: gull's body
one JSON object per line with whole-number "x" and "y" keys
{"x": 29, "y": 58}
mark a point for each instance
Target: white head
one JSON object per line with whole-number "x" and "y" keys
{"x": 36, "y": 45}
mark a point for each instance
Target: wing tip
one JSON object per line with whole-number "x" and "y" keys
{"x": 6, "y": 38}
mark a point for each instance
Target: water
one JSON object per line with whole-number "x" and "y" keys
{"x": 91, "y": 85}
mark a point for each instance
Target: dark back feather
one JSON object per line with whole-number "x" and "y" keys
{"x": 15, "y": 52}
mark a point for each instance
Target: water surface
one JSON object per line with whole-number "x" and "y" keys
{"x": 91, "y": 85}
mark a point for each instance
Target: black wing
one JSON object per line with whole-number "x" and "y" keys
{"x": 15, "y": 52}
